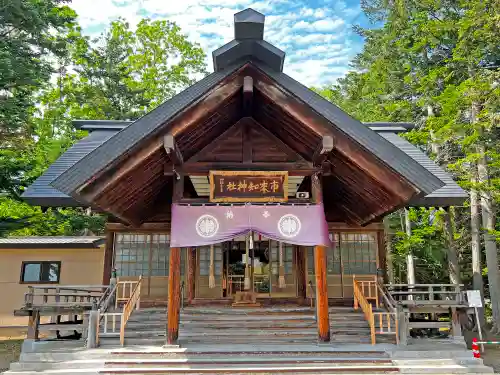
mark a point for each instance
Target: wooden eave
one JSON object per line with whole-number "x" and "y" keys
{"x": 262, "y": 128}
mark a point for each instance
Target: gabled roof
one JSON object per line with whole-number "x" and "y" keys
{"x": 51, "y": 242}
{"x": 42, "y": 194}
{"x": 147, "y": 125}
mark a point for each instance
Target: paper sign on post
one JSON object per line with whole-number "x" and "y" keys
{"x": 474, "y": 298}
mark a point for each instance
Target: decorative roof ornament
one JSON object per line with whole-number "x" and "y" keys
{"x": 248, "y": 43}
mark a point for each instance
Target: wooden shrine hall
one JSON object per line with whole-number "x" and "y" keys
{"x": 246, "y": 187}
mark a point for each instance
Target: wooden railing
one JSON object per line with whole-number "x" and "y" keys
{"x": 361, "y": 301}
{"x": 124, "y": 291}
{"x": 133, "y": 302}
{"x": 427, "y": 294}
{"x": 63, "y": 296}
{"x": 386, "y": 323}
{"x": 368, "y": 285}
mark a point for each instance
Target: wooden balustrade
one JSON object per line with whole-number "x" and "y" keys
{"x": 386, "y": 323}
{"x": 124, "y": 291}
{"x": 47, "y": 297}
{"x": 368, "y": 285}
{"x": 427, "y": 294}
{"x": 132, "y": 302}
{"x": 361, "y": 301}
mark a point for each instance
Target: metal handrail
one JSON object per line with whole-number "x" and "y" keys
{"x": 312, "y": 300}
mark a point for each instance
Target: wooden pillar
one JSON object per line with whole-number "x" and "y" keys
{"x": 33, "y": 323}
{"x": 382, "y": 261}
{"x": 191, "y": 274}
{"x": 174, "y": 275}
{"x": 321, "y": 277}
{"x": 108, "y": 256}
{"x": 174, "y": 295}
{"x": 300, "y": 262}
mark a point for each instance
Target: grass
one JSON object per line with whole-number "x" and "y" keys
{"x": 9, "y": 351}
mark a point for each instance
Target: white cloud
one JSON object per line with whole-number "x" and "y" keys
{"x": 315, "y": 38}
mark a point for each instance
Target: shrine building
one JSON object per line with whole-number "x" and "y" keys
{"x": 245, "y": 188}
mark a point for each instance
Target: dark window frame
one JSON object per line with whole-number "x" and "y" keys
{"x": 41, "y": 262}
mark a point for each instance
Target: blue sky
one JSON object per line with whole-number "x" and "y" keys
{"x": 316, "y": 35}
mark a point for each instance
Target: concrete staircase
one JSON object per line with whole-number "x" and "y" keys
{"x": 50, "y": 359}
{"x": 225, "y": 325}
{"x": 274, "y": 340}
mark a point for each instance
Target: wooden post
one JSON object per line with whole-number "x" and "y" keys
{"x": 108, "y": 256}
{"x": 174, "y": 290}
{"x": 402, "y": 326}
{"x": 320, "y": 271}
{"x": 456, "y": 327}
{"x": 33, "y": 323}
{"x": 301, "y": 273}
{"x": 191, "y": 276}
{"x": 93, "y": 328}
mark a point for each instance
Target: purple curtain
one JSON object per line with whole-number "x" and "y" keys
{"x": 206, "y": 225}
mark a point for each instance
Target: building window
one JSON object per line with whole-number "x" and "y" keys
{"x": 358, "y": 252}
{"x": 287, "y": 257}
{"x": 40, "y": 272}
{"x": 132, "y": 254}
{"x": 143, "y": 254}
{"x": 351, "y": 253}
{"x": 204, "y": 256}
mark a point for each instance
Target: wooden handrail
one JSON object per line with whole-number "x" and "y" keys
{"x": 133, "y": 301}
{"x": 361, "y": 301}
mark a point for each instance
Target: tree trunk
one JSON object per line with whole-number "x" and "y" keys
{"x": 453, "y": 266}
{"x": 475, "y": 225}
{"x": 488, "y": 221}
{"x": 410, "y": 266}
{"x": 388, "y": 251}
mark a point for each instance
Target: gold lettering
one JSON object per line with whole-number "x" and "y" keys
{"x": 221, "y": 181}
{"x": 253, "y": 187}
{"x": 242, "y": 186}
{"x": 263, "y": 187}
{"x": 231, "y": 186}
{"x": 275, "y": 186}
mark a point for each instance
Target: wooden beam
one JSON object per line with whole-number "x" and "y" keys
{"x": 282, "y": 145}
{"x": 324, "y": 147}
{"x": 247, "y": 95}
{"x": 213, "y": 145}
{"x": 344, "y": 144}
{"x": 33, "y": 323}
{"x": 108, "y": 256}
{"x": 191, "y": 274}
{"x": 174, "y": 291}
{"x": 247, "y": 144}
{"x": 294, "y": 169}
{"x": 178, "y": 187}
{"x": 144, "y": 228}
{"x": 185, "y": 118}
{"x": 320, "y": 268}
{"x": 172, "y": 149}
{"x": 300, "y": 259}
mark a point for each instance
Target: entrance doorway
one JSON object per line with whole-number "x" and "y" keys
{"x": 262, "y": 267}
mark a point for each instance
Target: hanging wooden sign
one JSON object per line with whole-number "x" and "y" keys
{"x": 248, "y": 186}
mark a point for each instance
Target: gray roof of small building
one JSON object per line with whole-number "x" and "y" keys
{"x": 50, "y": 242}
{"x": 41, "y": 193}
{"x": 449, "y": 195}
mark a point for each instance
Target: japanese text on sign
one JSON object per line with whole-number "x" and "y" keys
{"x": 248, "y": 186}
